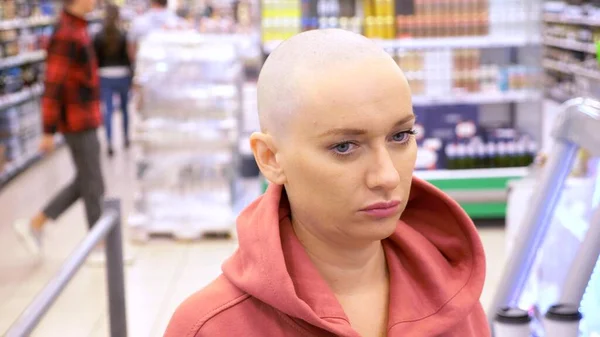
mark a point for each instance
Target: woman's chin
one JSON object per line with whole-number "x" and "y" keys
{"x": 378, "y": 230}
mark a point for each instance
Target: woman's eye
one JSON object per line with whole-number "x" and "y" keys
{"x": 401, "y": 137}
{"x": 343, "y": 147}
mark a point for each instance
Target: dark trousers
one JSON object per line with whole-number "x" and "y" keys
{"x": 109, "y": 87}
{"x": 88, "y": 183}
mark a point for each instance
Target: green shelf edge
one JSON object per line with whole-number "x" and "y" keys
{"x": 485, "y": 211}
{"x": 496, "y": 183}
{"x": 493, "y": 210}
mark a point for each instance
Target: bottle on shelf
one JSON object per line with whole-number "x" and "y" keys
{"x": 451, "y": 156}
{"x": 461, "y": 156}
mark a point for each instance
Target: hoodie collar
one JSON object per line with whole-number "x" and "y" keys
{"x": 435, "y": 259}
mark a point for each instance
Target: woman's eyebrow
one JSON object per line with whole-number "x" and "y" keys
{"x": 358, "y": 132}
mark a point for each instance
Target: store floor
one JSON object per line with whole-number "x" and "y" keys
{"x": 162, "y": 274}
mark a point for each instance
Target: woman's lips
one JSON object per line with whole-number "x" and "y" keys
{"x": 382, "y": 209}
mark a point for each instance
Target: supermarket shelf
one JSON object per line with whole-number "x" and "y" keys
{"x": 479, "y": 98}
{"x": 23, "y": 58}
{"x": 13, "y": 170}
{"x": 515, "y": 172}
{"x": 570, "y": 44}
{"x": 574, "y": 69}
{"x": 478, "y": 42}
{"x": 572, "y": 19}
{"x": 41, "y": 21}
{"x": 24, "y": 95}
{"x": 445, "y": 42}
{"x": 28, "y": 22}
{"x": 482, "y": 193}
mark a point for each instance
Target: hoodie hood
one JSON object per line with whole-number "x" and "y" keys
{"x": 435, "y": 258}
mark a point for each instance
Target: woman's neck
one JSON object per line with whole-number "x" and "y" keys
{"x": 345, "y": 269}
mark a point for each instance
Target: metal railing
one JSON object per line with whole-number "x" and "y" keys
{"x": 109, "y": 227}
{"x": 577, "y": 127}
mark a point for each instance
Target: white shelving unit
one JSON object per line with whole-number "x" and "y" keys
{"x": 27, "y": 22}
{"x": 188, "y": 135}
{"x": 475, "y": 42}
{"x": 577, "y": 19}
{"x": 23, "y": 58}
{"x": 479, "y": 98}
{"x": 570, "y": 44}
{"x": 9, "y": 100}
{"x": 516, "y": 172}
{"x": 574, "y": 69}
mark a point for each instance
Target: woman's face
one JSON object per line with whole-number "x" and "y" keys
{"x": 349, "y": 147}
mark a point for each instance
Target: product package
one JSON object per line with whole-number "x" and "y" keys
{"x": 447, "y": 129}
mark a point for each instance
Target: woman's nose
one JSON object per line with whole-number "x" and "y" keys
{"x": 382, "y": 173}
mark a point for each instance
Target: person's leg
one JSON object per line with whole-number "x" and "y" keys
{"x": 69, "y": 195}
{"x": 30, "y": 231}
{"x": 124, "y": 89}
{"x": 91, "y": 181}
{"x": 106, "y": 90}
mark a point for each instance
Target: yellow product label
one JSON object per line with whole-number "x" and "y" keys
{"x": 390, "y": 28}
{"x": 367, "y": 8}
{"x": 369, "y": 26}
{"x": 381, "y": 28}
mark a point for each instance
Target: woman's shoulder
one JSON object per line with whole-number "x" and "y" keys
{"x": 199, "y": 308}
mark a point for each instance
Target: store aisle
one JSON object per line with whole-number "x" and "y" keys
{"x": 163, "y": 272}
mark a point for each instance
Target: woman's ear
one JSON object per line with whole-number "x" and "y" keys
{"x": 265, "y": 154}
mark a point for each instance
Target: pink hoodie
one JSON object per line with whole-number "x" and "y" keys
{"x": 269, "y": 287}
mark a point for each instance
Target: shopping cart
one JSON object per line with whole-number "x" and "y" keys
{"x": 577, "y": 127}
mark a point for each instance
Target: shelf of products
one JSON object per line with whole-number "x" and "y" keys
{"x": 389, "y": 19}
{"x": 461, "y": 76}
{"x": 571, "y": 44}
{"x": 22, "y": 59}
{"x": 462, "y": 59}
{"x": 471, "y": 162}
{"x": 570, "y": 52}
{"x": 572, "y": 68}
{"x": 20, "y": 131}
{"x": 572, "y": 20}
{"x": 441, "y": 42}
{"x": 478, "y": 98}
{"x": 27, "y": 22}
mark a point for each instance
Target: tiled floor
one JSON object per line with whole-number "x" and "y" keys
{"x": 151, "y": 296}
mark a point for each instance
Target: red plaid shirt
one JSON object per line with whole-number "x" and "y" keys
{"x": 71, "y": 100}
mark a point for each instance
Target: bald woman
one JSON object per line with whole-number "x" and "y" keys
{"x": 345, "y": 242}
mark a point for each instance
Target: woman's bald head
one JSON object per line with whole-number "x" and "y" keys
{"x": 294, "y": 68}
{"x": 337, "y": 122}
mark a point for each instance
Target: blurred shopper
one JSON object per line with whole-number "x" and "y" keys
{"x": 110, "y": 45}
{"x": 71, "y": 106}
{"x": 158, "y": 17}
